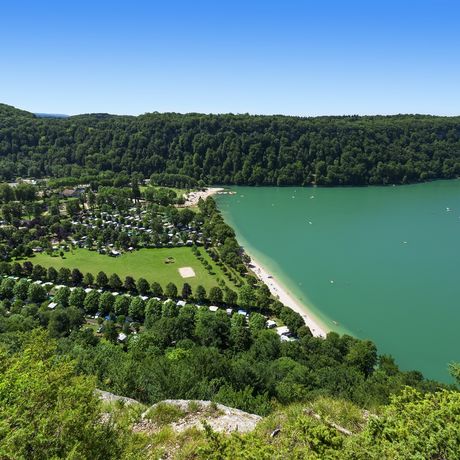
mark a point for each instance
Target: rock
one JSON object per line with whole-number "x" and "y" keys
{"x": 110, "y": 397}
{"x": 220, "y": 418}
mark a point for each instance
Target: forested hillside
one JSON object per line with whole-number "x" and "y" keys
{"x": 233, "y": 149}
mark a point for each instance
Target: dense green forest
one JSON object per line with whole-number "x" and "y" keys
{"x": 64, "y": 333}
{"x": 233, "y": 149}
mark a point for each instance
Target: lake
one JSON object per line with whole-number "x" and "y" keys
{"x": 380, "y": 263}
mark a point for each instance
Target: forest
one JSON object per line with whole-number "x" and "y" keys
{"x": 232, "y": 149}
{"x": 65, "y": 333}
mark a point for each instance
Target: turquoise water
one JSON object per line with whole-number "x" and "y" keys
{"x": 393, "y": 254}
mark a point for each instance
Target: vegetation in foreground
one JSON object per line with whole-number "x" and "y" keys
{"x": 47, "y": 411}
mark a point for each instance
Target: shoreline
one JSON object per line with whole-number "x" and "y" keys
{"x": 192, "y": 198}
{"x": 285, "y": 297}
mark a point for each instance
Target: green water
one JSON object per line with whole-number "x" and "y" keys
{"x": 393, "y": 254}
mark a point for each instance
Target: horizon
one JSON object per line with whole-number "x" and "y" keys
{"x": 298, "y": 58}
{"x": 42, "y": 114}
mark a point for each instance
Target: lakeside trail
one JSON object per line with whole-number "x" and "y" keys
{"x": 287, "y": 299}
{"x": 192, "y": 198}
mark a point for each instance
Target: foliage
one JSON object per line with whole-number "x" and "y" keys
{"x": 182, "y": 150}
{"x": 164, "y": 413}
{"x": 413, "y": 426}
{"x": 48, "y": 412}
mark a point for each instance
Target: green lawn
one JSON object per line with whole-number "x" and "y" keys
{"x": 179, "y": 191}
{"x": 146, "y": 263}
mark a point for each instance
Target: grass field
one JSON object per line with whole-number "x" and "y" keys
{"x": 146, "y": 263}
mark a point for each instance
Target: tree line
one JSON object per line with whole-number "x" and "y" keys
{"x": 232, "y": 149}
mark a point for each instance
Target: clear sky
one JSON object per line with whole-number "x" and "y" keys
{"x": 291, "y": 57}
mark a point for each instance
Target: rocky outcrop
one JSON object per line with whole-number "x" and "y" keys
{"x": 189, "y": 414}
{"x": 110, "y": 397}
{"x": 220, "y": 418}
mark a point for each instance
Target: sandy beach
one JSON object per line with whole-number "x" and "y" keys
{"x": 287, "y": 299}
{"x": 192, "y": 198}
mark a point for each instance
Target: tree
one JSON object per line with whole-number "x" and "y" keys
{"x": 156, "y": 289}
{"x": 142, "y": 286}
{"x": 246, "y": 296}
{"x": 21, "y": 288}
{"x": 91, "y": 302}
{"x": 170, "y": 309}
{"x": 6, "y": 288}
{"x": 27, "y": 268}
{"x": 58, "y": 324}
{"x": 16, "y": 269}
{"x": 291, "y": 319}
{"x": 186, "y": 291}
{"x": 121, "y": 305}
{"x": 88, "y": 280}
{"x": 62, "y": 297}
{"x": 101, "y": 280}
{"x": 135, "y": 191}
{"x": 36, "y": 293}
{"x": 137, "y": 309}
{"x": 263, "y": 296}
{"x": 5, "y": 268}
{"x": 38, "y": 272}
{"x": 76, "y": 277}
{"x": 106, "y": 302}
{"x": 110, "y": 331}
{"x": 231, "y": 297}
{"x": 240, "y": 337}
{"x": 266, "y": 346}
{"x": 129, "y": 284}
{"x": 171, "y": 290}
{"x": 75, "y": 317}
{"x": 115, "y": 282}
{"x": 56, "y": 401}
{"x": 72, "y": 208}
{"x": 152, "y": 313}
{"x": 200, "y": 293}
{"x": 213, "y": 329}
{"x": 414, "y": 425}
{"x": 215, "y": 295}
{"x": 63, "y": 275}
{"x": 77, "y": 298}
{"x": 362, "y": 355}
{"x": 257, "y": 322}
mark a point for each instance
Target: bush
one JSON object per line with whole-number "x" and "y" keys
{"x": 164, "y": 413}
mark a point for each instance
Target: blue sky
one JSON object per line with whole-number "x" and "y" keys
{"x": 291, "y": 57}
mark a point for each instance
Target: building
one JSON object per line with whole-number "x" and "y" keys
{"x": 72, "y": 192}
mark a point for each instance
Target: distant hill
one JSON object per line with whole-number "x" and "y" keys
{"x": 233, "y": 149}
{"x": 50, "y": 115}
{"x": 10, "y": 111}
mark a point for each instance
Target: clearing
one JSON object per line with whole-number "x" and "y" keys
{"x": 162, "y": 265}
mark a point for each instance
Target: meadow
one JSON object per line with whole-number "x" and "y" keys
{"x": 150, "y": 264}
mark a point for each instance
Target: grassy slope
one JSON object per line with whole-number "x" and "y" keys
{"x": 145, "y": 263}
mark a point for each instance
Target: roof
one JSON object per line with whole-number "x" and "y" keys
{"x": 69, "y": 192}
{"x": 213, "y": 308}
{"x": 282, "y": 330}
